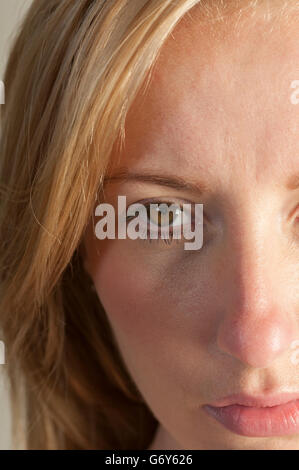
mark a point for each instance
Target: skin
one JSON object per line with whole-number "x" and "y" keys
{"x": 194, "y": 327}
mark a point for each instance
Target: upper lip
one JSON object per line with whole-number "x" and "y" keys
{"x": 258, "y": 401}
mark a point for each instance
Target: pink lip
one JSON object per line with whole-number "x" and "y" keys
{"x": 259, "y": 416}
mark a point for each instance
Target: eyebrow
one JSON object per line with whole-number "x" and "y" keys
{"x": 170, "y": 181}
{"x": 176, "y": 182}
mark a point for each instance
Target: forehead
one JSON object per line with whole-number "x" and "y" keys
{"x": 219, "y": 99}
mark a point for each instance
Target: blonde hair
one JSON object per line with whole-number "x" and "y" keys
{"x": 73, "y": 72}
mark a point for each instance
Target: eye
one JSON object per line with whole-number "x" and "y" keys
{"x": 164, "y": 214}
{"x": 163, "y": 220}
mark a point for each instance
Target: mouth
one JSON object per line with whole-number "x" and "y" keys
{"x": 257, "y": 416}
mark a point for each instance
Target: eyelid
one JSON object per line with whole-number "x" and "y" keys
{"x": 169, "y": 200}
{"x": 161, "y": 200}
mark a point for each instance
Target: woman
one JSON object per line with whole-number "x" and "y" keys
{"x": 141, "y": 344}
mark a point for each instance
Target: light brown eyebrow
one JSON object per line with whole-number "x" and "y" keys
{"x": 176, "y": 182}
{"x": 170, "y": 181}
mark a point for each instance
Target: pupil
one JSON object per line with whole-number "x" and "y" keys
{"x": 159, "y": 215}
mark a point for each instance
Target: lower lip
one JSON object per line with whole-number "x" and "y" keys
{"x": 252, "y": 421}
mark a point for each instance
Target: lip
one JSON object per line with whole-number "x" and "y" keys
{"x": 257, "y": 416}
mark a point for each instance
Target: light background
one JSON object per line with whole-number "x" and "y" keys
{"x": 11, "y": 14}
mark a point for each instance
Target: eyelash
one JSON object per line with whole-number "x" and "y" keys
{"x": 167, "y": 241}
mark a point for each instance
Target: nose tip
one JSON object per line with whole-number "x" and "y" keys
{"x": 255, "y": 342}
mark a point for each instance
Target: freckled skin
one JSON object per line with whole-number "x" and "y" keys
{"x": 194, "y": 327}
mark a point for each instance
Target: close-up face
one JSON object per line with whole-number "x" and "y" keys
{"x": 216, "y": 326}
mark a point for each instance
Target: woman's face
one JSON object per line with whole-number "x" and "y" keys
{"x": 216, "y": 326}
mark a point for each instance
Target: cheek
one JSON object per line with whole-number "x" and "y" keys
{"x": 161, "y": 315}
{"x": 130, "y": 292}
{"x": 150, "y": 297}
{"x": 162, "y": 311}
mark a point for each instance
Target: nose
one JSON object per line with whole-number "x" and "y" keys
{"x": 258, "y": 322}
